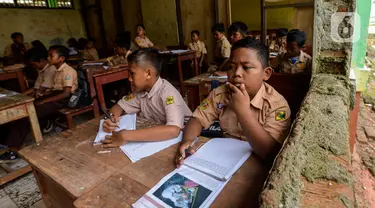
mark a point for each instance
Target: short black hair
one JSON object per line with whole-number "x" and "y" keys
{"x": 195, "y": 32}
{"x": 122, "y": 43}
{"x": 144, "y": 55}
{"x": 238, "y": 27}
{"x": 91, "y": 39}
{"x": 36, "y": 55}
{"x": 281, "y": 32}
{"x": 38, "y": 44}
{"x": 61, "y": 51}
{"x": 262, "y": 50}
{"x": 82, "y": 42}
{"x": 15, "y": 34}
{"x": 140, "y": 25}
{"x": 218, "y": 27}
{"x": 297, "y": 36}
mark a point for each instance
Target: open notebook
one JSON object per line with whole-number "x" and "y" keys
{"x": 136, "y": 150}
{"x": 201, "y": 178}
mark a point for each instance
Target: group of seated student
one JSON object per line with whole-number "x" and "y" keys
{"x": 246, "y": 106}
{"x": 52, "y": 90}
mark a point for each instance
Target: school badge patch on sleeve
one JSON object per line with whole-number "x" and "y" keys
{"x": 169, "y": 100}
{"x": 205, "y": 103}
{"x": 129, "y": 97}
{"x": 67, "y": 77}
{"x": 280, "y": 115}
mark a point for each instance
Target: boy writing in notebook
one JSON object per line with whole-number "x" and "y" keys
{"x": 247, "y": 107}
{"x": 153, "y": 98}
{"x": 295, "y": 61}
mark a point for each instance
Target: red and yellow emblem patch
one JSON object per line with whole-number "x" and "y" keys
{"x": 205, "y": 104}
{"x": 280, "y": 116}
{"x": 129, "y": 97}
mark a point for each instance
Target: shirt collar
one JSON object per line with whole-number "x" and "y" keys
{"x": 301, "y": 57}
{"x": 222, "y": 39}
{"x": 61, "y": 67}
{"x": 257, "y": 101}
{"x": 154, "y": 89}
{"x": 45, "y": 67}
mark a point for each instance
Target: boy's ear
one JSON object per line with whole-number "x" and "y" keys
{"x": 148, "y": 73}
{"x": 267, "y": 73}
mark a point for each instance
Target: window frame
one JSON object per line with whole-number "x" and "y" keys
{"x": 17, "y": 6}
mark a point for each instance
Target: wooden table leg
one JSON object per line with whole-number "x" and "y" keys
{"x": 100, "y": 94}
{"x": 180, "y": 75}
{"x": 15, "y": 174}
{"x": 35, "y": 128}
{"x": 21, "y": 81}
{"x": 196, "y": 68}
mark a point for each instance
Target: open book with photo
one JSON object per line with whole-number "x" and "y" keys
{"x": 201, "y": 178}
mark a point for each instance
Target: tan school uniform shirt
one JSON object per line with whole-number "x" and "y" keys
{"x": 8, "y": 49}
{"x": 274, "y": 47}
{"x": 46, "y": 77}
{"x": 222, "y": 48}
{"x": 90, "y": 54}
{"x": 199, "y": 47}
{"x": 65, "y": 76}
{"x": 303, "y": 64}
{"x": 143, "y": 42}
{"x": 163, "y": 104}
{"x": 268, "y": 107}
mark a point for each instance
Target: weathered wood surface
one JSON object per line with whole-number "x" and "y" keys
{"x": 202, "y": 78}
{"x": 12, "y": 99}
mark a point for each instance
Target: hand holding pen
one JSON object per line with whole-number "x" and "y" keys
{"x": 186, "y": 149}
{"x": 111, "y": 122}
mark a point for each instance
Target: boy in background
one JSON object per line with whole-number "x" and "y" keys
{"x": 247, "y": 107}
{"x": 222, "y": 50}
{"x": 295, "y": 61}
{"x": 237, "y": 31}
{"x": 279, "y": 45}
{"x": 141, "y": 39}
{"x": 154, "y": 98}
{"x": 65, "y": 83}
{"x": 90, "y": 52}
{"x": 198, "y": 46}
{"x": 14, "y": 52}
{"x": 37, "y": 58}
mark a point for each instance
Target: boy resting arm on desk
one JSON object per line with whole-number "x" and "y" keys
{"x": 154, "y": 99}
{"x": 246, "y": 107}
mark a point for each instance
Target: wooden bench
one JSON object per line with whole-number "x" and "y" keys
{"x": 70, "y": 112}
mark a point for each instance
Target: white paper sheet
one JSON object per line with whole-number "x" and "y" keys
{"x": 218, "y": 77}
{"x": 138, "y": 150}
{"x": 181, "y": 188}
{"x": 179, "y": 51}
{"x": 93, "y": 64}
{"x": 220, "y": 157}
{"x": 127, "y": 122}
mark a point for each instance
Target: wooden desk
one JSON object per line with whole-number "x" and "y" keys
{"x": 104, "y": 76}
{"x": 14, "y": 74}
{"x": 192, "y": 88}
{"x": 69, "y": 169}
{"x": 13, "y": 107}
{"x": 190, "y": 55}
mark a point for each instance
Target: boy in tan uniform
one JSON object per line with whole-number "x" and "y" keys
{"x": 65, "y": 83}
{"x": 246, "y": 107}
{"x": 154, "y": 99}
{"x": 90, "y": 52}
{"x": 279, "y": 45}
{"x": 222, "y": 50}
{"x": 15, "y": 51}
{"x": 142, "y": 40}
{"x": 37, "y": 58}
{"x": 295, "y": 61}
{"x": 237, "y": 31}
{"x": 198, "y": 46}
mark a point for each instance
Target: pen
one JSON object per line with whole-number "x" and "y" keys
{"x": 107, "y": 115}
{"x": 187, "y": 153}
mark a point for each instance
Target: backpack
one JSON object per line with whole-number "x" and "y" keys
{"x": 81, "y": 97}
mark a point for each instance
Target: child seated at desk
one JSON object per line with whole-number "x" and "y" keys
{"x": 237, "y": 31}
{"x": 37, "y": 58}
{"x": 295, "y": 61}
{"x": 90, "y": 52}
{"x": 279, "y": 45}
{"x": 222, "y": 51}
{"x": 142, "y": 40}
{"x": 154, "y": 98}
{"x": 198, "y": 46}
{"x": 247, "y": 107}
{"x": 65, "y": 83}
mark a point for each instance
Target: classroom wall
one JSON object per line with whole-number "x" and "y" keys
{"x": 248, "y": 11}
{"x": 132, "y": 15}
{"x": 40, "y": 24}
{"x": 192, "y": 13}
{"x": 159, "y": 18}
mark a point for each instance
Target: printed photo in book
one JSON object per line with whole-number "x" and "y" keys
{"x": 181, "y": 192}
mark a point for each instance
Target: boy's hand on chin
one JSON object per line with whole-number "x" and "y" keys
{"x": 239, "y": 99}
{"x": 117, "y": 139}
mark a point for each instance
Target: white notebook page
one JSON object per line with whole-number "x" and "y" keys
{"x": 220, "y": 157}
